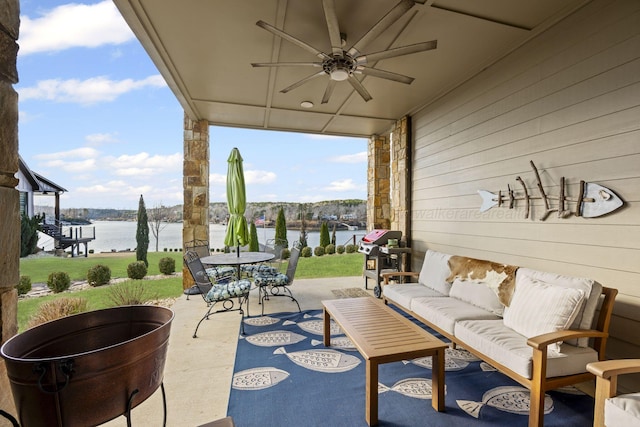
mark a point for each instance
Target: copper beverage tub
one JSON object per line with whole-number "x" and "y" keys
{"x": 88, "y": 368}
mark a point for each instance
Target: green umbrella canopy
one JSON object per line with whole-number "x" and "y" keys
{"x": 237, "y": 231}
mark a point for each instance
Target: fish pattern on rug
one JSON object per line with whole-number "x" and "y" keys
{"x": 272, "y": 383}
{"x": 258, "y": 378}
{"x": 275, "y": 338}
{"x": 329, "y": 361}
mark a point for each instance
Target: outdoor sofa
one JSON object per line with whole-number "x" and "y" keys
{"x": 538, "y": 328}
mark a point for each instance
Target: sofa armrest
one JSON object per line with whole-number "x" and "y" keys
{"x": 613, "y": 368}
{"x": 542, "y": 341}
{"x": 606, "y": 373}
{"x": 386, "y": 276}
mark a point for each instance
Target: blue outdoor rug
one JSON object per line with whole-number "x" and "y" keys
{"x": 284, "y": 376}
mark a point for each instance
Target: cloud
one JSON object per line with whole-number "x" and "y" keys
{"x": 86, "y": 92}
{"x": 259, "y": 177}
{"x": 97, "y": 139}
{"x": 82, "y": 152}
{"x": 145, "y": 165}
{"x": 343, "y": 185}
{"x": 217, "y": 178}
{"x": 360, "y": 157}
{"x": 73, "y": 25}
{"x": 71, "y": 166}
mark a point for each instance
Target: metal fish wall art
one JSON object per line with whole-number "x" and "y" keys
{"x": 593, "y": 199}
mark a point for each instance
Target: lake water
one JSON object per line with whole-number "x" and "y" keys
{"x": 121, "y": 235}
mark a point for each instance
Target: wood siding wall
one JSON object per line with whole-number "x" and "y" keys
{"x": 568, "y": 100}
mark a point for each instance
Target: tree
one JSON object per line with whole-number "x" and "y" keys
{"x": 281, "y": 230}
{"x": 333, "y": 234}
{"x": 253, "y": 238}
{"x": 29, "y": 228}
{"x": 142, "y": 233}
{"x": 156, "y": 217}
{"x": 324, "y": 234}
{"x": 303, "y": 229}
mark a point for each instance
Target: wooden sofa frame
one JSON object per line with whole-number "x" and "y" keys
{"x": 607, "y": 373}
{"x": 539, "y": 383}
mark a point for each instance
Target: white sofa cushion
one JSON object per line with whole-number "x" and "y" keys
{"x": 502, "y": 344}
{"x": 403, "y": 293}
{"x": 435, "y": 270}
{"x": 478, "y": 294}
{"x": 592, "y": 290}
{"x": 539, "y": 308}
{"x": 445, "y": 312}
{"x": 623, "y": 410}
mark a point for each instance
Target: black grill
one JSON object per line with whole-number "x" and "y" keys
{"x": 379, "y": 257}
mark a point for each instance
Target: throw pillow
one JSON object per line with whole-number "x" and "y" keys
{"x": 477, "y": 293}
{"x": 435, "y": 271}
{"x": 539, "y": 308}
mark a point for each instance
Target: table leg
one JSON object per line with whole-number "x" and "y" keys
{"x": 437, "y": 381}
{"x": 371, "y": 393}
{"x": 326, "y": 331}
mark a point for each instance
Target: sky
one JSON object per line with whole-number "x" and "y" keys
{"x": 97, "y": 118}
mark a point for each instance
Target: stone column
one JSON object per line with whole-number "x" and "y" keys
{"x": 378, "y": 173}
{"x": 9, "y": 199}
{"x": 401, "y": 178}
{"x": 401, "y": 182}
{"x": 195, "y": 225}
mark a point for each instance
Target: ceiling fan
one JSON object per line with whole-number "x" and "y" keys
{"x": 342, "y": 65}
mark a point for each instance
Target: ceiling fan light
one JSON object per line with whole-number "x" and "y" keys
{"x": 339, "y": 74}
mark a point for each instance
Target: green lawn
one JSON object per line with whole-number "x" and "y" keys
{"x": 39, "y": 268}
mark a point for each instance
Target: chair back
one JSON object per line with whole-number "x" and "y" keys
{"x": 293, "y": 264}
{"x": 201, "y": 247}
{"x": 275, "y": 246}
{"x": 198, "y": 272}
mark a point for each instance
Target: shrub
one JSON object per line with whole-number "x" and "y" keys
{"x": 330, "y": 249}
{"x": 56, "y": 309}
{"x": 285, "y": 254}
{"x": 167, "y": 265}
{"x": 340, "y": 249}
{"x": 91, "y": 251}
{"x": 58, "y": 281}
{"x": 318, "y": 251}
{"x": 165, "y": 249}
{"x": 351, "y": 248}
{"x": 29, "y": 228}
{"x": 305, "y": 252}
{"x": 99, "y": 275}
{"x": 24, "y": 285}
{"x": 130, "y": 293}
{"x": 137, "y": 270}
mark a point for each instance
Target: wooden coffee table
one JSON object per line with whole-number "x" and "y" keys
{"x": 381, "y": 336}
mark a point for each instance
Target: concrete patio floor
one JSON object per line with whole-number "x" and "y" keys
{"x": 198, "y": 372}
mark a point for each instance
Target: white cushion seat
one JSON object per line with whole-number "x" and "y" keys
{"x": 622, "y": 410}
{"x": 507, "y": 347}
{"x": 403, "y": 293}
{"x": 445, "y": 312}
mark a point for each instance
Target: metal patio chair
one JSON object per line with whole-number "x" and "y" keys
{"x": 278, "y": 284}
{"x": 223, "y": 292}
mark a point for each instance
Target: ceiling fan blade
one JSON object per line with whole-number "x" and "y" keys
{"x": 292, "y": 39}
{"x": 394, "y": 14}
{"x": 398, "y": 51}
{"x": 303, "y": 81}
{"x": 328, "y": 91}
{"x": 329, "y": 7}
{"x": 373, "y": 72}
{"x": 359, "y": 88}
{"x": 286, "y": 64}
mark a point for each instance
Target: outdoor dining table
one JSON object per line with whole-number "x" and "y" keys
{"x": 237, "y": 259}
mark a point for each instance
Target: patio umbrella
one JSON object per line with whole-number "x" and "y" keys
{"x": 237, "y": 232}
